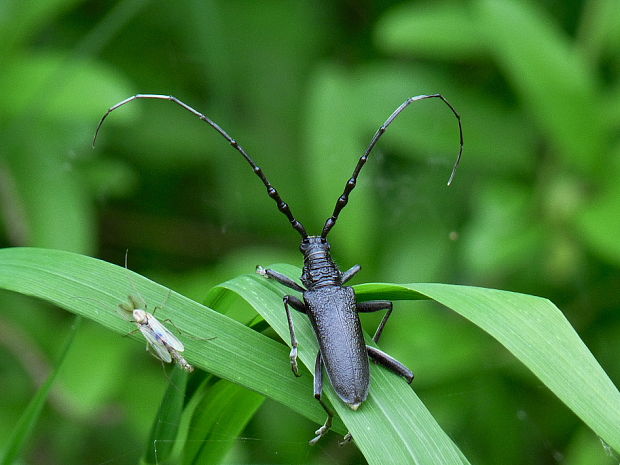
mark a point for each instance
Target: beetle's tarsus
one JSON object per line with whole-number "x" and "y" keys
{"x": 321, "y": 431}
{"x": 346, "y": 440}
{"x": 294, "y": 366}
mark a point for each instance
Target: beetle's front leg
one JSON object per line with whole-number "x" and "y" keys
{"x": 282, "y": 279}
{"x": 350, "y": 273}
{"x": 300, "y": 307}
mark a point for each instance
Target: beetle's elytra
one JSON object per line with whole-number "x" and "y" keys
{"x": 329, "y": 304}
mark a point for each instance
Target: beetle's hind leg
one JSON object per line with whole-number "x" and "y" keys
{"x": 378, "y": 355}
{"x": 318, "y": 389}
{"x": 390, "y": 363}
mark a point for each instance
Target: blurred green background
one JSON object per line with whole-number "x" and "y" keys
{"x": 535, "y": 206}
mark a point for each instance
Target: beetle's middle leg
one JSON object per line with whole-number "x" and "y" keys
{"x": 375, "y": 306}
{"x": 318, "y": 389}
{"x": 300, "y": 307}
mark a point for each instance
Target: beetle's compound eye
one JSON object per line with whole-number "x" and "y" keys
{"x": 304, "y": 244}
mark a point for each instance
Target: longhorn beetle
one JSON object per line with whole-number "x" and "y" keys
{"x": 330, "y": 305}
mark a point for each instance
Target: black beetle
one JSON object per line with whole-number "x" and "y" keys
{"x": 330, "y": 305}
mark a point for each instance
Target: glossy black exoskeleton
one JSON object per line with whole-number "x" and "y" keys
{"x": 330, "y": 305}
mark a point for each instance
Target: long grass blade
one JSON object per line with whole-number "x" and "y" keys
{"x": 165, "y": 428}
{"x": 28, "y": 421}
{"x": 535, "y": 331}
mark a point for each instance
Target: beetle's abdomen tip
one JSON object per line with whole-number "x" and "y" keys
{"x": 355, "y": 405}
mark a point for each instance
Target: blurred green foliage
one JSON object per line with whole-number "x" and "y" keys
{"x": 534, "y": 208}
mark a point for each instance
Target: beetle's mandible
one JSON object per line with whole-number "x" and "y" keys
{"x": 329, "y": 304}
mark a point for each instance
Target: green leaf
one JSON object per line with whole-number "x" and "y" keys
{"x": 107, "y": 364}
{"x": 45, "y": 87}
{"x": 599, "y": 30}
{"x": 166, "y": 425}
{"x": 428, "y": 132}
{"x": 599, "y": 222}
{"x": 537, "y": 333}
{"x": 19, "y": 20}
{"x": 496, "y": 240}
{"x": 444, "y": 31}
{"x": 408, "y": 433}
{"x": 587, "y": 449}
{"x": 41, "y": 190}
{"x": 532, "y": 328}
{"x": 223, "y": 411}
{"x": 548, "y": 74}
{"x": 27, "y": 422}
{"x": 94, "y": 288}
{"x": 43, "y": 183}
{"x": 393, "y": 412}
{"x": 332, "y": 126}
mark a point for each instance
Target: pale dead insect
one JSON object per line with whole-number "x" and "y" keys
{"x": 160, "y": 341}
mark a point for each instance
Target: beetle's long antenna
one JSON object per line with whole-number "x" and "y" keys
{"x": 344, "y": 198}
{"x": 271, "y": 191}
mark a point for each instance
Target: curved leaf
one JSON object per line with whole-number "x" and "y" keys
{"x": 551, "y": 78}
{"x": 93, "y": 288}
{"x": 27, "y": 422}
{"x": 432, "y": 30}
{"x": 407, "y": 431}
{"x": 221, "y": 413}
{"x": 393, "y": 425}
{"x": 538, "y": 334}
{"x": 532, "y": 328}
{"x": 166, "y": 424}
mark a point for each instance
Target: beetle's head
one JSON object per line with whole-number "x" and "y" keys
{"x": 311, "y": 245}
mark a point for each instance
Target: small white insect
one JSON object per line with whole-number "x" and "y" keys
{"x": 162, "y": 343}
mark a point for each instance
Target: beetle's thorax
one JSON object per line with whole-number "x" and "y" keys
{"x": 319, "y": 268}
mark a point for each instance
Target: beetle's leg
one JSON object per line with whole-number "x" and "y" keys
{"x": 350, "y": 273}
{"x": 282, "y": 279}
{"x": 390, "y": 363}
{"x": 294, "y": 302}
{"x": 375, "y": 306}
{"x": 346, "y": 440}
{"x": 318, "y": 389}
{"x": 301, "y": 307}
